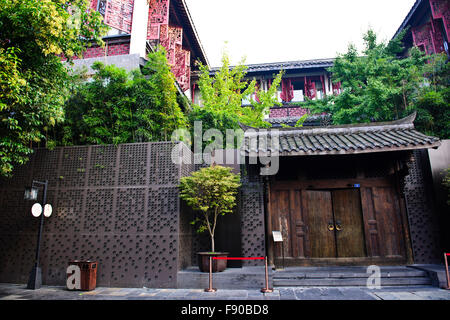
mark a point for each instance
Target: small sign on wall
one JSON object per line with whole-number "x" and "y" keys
{"x": 277, "y": 237}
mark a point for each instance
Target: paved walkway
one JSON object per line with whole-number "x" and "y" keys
{"x": 19, "y": 292}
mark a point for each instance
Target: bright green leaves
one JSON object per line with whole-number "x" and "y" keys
{"x": 33, "y": 81}
{"x": 222, "y": 94}
{"x": 376, "y": 86}
{"x": 122, "y": 107}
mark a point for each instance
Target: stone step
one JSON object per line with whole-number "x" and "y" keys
{"x": 341, "y": 275}
{"x": 356, "y": 276}
{"x": 335, "y": 282}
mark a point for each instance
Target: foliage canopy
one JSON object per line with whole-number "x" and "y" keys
{"x": 122, "y": 107}
{"x": 377, "y": 85}
{"x": 222, "y": 92}
{"x": 33, "y": 80}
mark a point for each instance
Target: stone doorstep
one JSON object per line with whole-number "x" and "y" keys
{"x": 436, "y": 273}
{"x": 348, "y": 276}
{"x": 343, "y": 275}
{"x": 252, "y": 278}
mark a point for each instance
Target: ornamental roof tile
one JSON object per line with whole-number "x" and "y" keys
{"x": 287, "y": 65}
{"x": 346, "y": 139}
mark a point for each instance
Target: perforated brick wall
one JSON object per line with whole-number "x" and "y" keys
{"x": 423, "y": 222}
{"x": 278, "y": 113}
{"x": 283, "y": 112}
{"x": 117, "y": 205}
{"x": 111, "y": 49}
{"x": 252, "y": 214}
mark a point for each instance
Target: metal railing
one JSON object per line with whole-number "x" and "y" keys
{"x": 263, "y": 290}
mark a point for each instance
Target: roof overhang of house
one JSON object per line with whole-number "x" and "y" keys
{"x": 300, "y": 65}
{"x": 398, "y": 135}
{"x": 189, "y": 28}
{"x": 408, "y": 21}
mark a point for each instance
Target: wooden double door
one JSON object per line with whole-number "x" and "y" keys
{"x": 347, "y": 224}
{"x": 335, "y": 223}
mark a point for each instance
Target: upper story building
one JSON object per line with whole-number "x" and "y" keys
{"x": 428, "y": 26}
{"x": 302, "y": 80}
{"x": 137, "y": 27}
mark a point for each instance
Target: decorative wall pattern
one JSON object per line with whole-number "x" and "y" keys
{"x": 430, "y": 36}
{"x": 423, "y": 223}
{"x": 158, "y": 12}
{"x": 111, "y": 49}
{"x": 283, "y": 112}
{"x": 117, "y": 13}
{"x": 440, "y": 9}
{"x": 118, "y": 205}
{"x": 171, "y": 38}
{"x": 252, "y": 215}
{"x": 423, "y": 37}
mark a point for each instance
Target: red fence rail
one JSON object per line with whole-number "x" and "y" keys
{"x": 263, "y": 290}
{"x": 446, "y": 269}
{"x": 237, "y": 258}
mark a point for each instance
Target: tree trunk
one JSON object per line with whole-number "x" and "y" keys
{"x": 213, "y": 230}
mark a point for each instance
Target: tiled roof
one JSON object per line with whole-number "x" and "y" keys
{"x": 287, "y": 65}
{"x": 408, "y": 17}
{"x": 347, "y": 139}
{"x": 189, "y": 28}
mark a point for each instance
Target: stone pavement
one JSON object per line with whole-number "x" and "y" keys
{"x": 19, "y": 292}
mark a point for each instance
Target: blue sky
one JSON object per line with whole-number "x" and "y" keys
{"x": 285, "y": 30}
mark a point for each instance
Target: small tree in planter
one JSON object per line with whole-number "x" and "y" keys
{"x": 212, "y": 192}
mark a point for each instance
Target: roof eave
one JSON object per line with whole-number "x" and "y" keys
{"x": 433, "y": 145}
{"x": 404, "y": 123}
{"x": 194, "y": 32}
{"x": 408, "y": 17}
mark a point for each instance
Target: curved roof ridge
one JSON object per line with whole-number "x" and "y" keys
{"x": 404, "y": 123}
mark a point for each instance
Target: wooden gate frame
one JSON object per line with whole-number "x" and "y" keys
{"x": 408, "y": 258}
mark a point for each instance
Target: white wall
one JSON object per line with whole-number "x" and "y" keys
{"x": 139, "y": 28}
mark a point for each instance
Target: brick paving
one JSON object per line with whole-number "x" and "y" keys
{"x": 19, "y": 292}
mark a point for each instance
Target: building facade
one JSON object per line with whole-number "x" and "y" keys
{"x": 302, "y": 80}
{"x": 343, "y": 195}
{"x": 427, "y": 26}
{"x": 137, "y": 27}
{"x": 348, "y": 195}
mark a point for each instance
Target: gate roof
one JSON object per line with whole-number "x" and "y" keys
{"x": 396, "y": 135}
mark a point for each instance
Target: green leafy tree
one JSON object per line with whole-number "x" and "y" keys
{"x": 376, "y": 85}
{"x": 211, "y": 191}
{"x": 33, "y": 80}
{"x": 433, "y": 100}
{"x": 122, "y": 107}
{"x": 222, "y": 94}
{"x": 160, "y": 102}
{"x": 100, "y": 111}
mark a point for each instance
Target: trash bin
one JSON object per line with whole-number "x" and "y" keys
{"x": 88, "y": 273}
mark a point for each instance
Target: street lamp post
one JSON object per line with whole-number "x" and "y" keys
{"x": 35, "y": 279}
